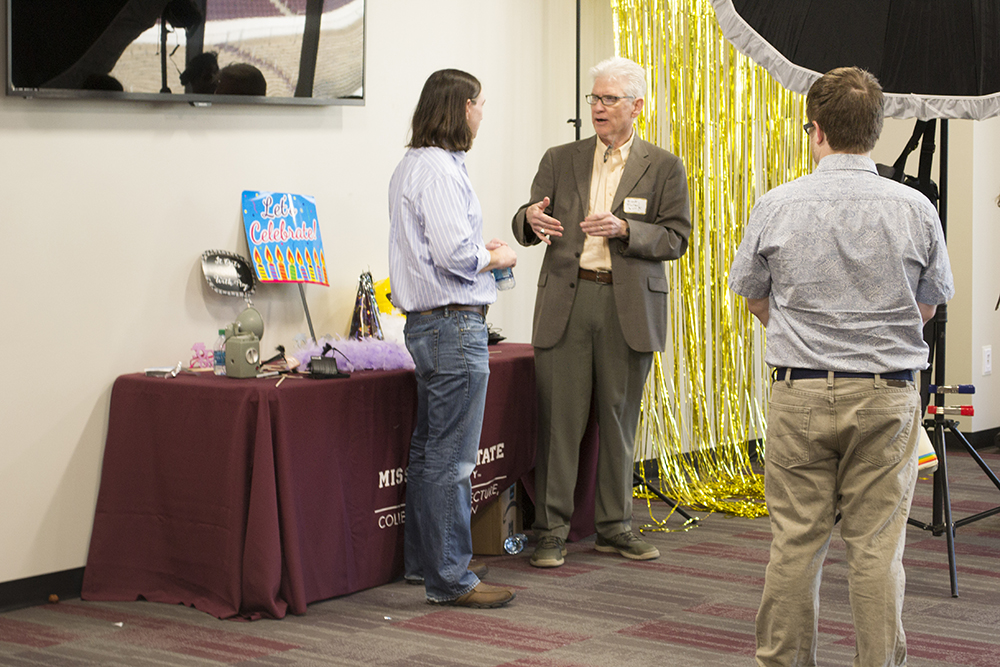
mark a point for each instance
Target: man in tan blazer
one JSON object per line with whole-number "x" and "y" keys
{"x": 610, "y": 210}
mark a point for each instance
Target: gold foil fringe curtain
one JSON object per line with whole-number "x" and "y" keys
{"x": 739, "y": 134}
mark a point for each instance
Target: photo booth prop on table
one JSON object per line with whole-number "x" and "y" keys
{"x": 366, "y": 323}
{"x": 243, "y": 344}
{"x": 229, "y": 274}
{"x": 284, "y": 240}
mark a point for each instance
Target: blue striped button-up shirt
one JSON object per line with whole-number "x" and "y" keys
{"x": 436, "y": 248}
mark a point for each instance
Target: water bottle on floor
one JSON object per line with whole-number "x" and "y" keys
{"x": 515, "y": 543}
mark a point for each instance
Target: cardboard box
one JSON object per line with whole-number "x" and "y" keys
{"x": 493, "y": 524}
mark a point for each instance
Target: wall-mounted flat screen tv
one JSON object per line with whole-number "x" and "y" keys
{"x": 198, "y": 51}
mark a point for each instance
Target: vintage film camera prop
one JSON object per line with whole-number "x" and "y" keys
{"x": 229, "y": 274}
{"x": 243, "y": 344}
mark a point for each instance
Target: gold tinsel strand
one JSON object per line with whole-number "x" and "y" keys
{"x": 739, "y": 134}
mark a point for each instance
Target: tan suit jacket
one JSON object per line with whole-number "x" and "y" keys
{"x": 653, "y": 180}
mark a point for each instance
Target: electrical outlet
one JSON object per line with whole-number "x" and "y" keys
{"x": 987, "y": 359}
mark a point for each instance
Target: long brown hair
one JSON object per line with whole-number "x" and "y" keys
{"x": 439, "y": 119}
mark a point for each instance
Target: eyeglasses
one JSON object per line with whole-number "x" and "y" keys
{"x": 808, "y": 127}
{"x": 607, "y": 100}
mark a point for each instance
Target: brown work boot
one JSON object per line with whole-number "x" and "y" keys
{"x": 476, "y": 567}
{"x": 483, "y": 596}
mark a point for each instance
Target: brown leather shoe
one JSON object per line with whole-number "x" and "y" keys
{"x": 483, "y": 596}
{"x": 476, "y": 567}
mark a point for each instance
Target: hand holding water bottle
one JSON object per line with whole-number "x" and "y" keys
{"x": 502, "y": 258}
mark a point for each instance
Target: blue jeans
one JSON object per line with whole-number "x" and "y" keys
{"x": 451, "y": 356}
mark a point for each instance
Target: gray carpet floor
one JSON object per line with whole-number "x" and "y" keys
{"x": 693, "y": 607}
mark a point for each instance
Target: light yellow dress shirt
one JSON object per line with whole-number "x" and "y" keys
{"x": 604, "y": 181}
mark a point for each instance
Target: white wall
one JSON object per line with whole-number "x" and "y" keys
{"x": 984, "y": 251}
{"x": 106, "y": 209}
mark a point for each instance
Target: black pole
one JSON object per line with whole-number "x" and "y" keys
{"x": 194, "y": 38}
{"x": 941, "y": 315}
{"x": 576, "y": 120}
{"x": 310, "y": 49}
{"x": 164, "y": 88}
{"x": 943, "y": 178}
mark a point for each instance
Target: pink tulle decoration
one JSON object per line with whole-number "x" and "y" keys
{"x": 355, "y": 354}
{"x": 201, "y": 357}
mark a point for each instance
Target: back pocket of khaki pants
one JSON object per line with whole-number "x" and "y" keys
{"x": 884, "y": 434}
{"x": 787, "y": 434}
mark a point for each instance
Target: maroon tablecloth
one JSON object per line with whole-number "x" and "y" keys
{"x": 242, "y": 498}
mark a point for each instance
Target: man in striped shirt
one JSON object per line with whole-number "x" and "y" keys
{"x": 439, "y": 268}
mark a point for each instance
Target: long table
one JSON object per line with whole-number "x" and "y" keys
{"x": 247, "y": 499}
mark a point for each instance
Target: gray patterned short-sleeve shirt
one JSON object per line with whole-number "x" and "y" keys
{"x": 844, "y": 256}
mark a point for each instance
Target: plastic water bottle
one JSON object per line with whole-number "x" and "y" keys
{"x": 504, "y": 278}
{"x": 515, "y": 543}
{"x": 219, "y": 353}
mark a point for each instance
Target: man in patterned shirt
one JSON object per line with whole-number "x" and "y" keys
{"x": 843, "y": 268}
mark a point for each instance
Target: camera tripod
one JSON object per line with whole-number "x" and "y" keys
{"x": 639, "y": 480}
{"x": 934, "y": 335}
{"x": 941, "y": 518}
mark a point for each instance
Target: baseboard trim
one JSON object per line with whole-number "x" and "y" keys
{"x": 33, "y": 591}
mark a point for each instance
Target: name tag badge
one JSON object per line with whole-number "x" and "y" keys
{"x": 635, "y": 205}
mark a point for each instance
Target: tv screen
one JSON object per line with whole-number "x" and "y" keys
{"x": 197, "y": 51}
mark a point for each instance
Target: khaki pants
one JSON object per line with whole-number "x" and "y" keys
{"x": 846, "y": 445}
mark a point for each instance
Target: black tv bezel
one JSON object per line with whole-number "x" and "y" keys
{"x": 195, "y": 100}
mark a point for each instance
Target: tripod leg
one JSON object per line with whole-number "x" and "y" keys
{"x": 975, "y": 455}
{"x": 945, "y": 498}
{"x": 953, "y": 427}
{"x": 638, "y": 480}
{"x": 935, "y": 523}
{"x": 937, "y": 504}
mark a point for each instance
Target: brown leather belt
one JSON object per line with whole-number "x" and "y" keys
{"x": 601, "y": 277}
{"x": 443, "y": 309}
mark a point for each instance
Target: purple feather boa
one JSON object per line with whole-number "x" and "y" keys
{"x": 355, "y": 354}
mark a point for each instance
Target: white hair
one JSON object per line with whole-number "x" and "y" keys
{"x": 626, "y": 72}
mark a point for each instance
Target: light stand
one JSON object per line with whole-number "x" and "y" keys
{"x": 164, "y": 88}
{"x": 576, "y": 122}
{"x": 639, "y": 480}
{"x": 941, "y": 517}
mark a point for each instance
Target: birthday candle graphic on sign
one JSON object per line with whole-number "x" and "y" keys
{"x": 292, "y": 273}
{"x": 300, "y": 264}
{"x": 272, "y": 271}
{"x": 320, "y": 265}
{"x": 282, "y": 273}
{"x": 310, "y": 267}
{"x": 261, "y": 271}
